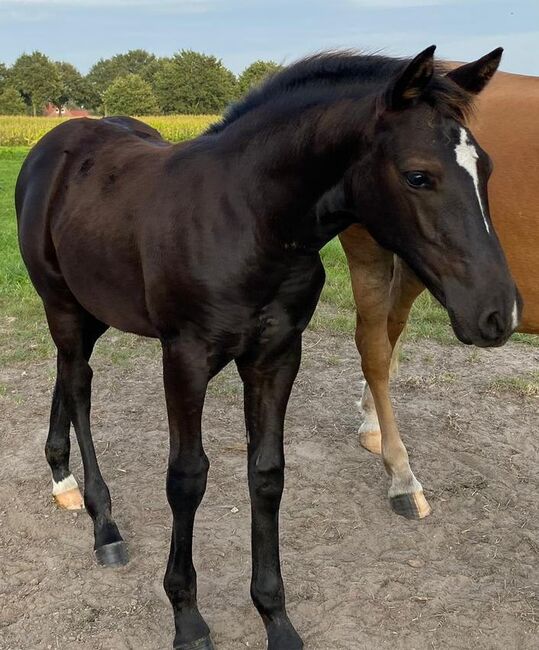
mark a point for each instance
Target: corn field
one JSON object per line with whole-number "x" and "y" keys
{"x": 26, "y": 131}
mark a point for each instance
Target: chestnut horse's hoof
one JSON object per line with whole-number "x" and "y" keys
{"x": 371, "y": 440}
{"x": 114, "y": 555}
{"x": 411, "y": 506}
{"x": 200, "y": 644}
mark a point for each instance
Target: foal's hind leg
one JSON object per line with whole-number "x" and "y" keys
{"x": 69, "y": 326}
{"x": 267, "y": 382}
{"x": 371, "y": 271}
{"x": 65, "y": 489}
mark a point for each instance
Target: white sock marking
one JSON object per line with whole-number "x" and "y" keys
{"x": 366, "y": 406}
{"x": 370, "y": 424}
{"x": 514, "y": 315}
{"x": 406, "y": 484}
{"x": 467, "y": 158}
{"x": 68, "y": 483}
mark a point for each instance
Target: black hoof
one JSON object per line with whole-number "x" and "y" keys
{"x": 411, "y": 506}
{"x": 112, "y": 555}
{"x": 200, "y": 644}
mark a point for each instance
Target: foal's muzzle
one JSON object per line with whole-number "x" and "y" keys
{"x": 492, "y": 325}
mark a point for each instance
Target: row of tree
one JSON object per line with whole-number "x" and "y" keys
{"x": 134, "y": 83}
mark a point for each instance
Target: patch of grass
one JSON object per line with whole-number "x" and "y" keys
{"x": 526, "y": 385}
{"x": 23, "y": 330}
{"x": 527, "y": 339}
{"x": 429, "y": 320}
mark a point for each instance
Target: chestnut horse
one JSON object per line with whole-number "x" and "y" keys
{"x": 213, "y": 248}
{"x": 506, "y": 123}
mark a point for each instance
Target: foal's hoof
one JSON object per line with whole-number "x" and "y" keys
{"x": 371, "y": 441}
{"x": 283, "y": 636}
{"x": 69, "y": 500}
{"x": 66, "y": 494}
{"x": 114, "y": 555}
{"x": 200, "y": 644}
{"x": 411, "y": 506}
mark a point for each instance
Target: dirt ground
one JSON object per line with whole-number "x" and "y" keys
{"x": 357, "y": 575}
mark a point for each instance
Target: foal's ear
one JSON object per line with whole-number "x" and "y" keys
{"x": 474, "y": 76}
{"x": 409, "y": 84}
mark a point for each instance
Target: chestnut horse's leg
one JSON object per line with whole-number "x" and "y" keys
{"x": 371, "y": 269}
{"x": 65, "y": 489}
{"x": 405, "y": 288}
{"x": 68, "y": 324}
{"x": 268, "y": 380}
{"x": 186, "y": 373}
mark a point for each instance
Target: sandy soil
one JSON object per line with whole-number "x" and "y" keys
{"x": 357, "y": 575}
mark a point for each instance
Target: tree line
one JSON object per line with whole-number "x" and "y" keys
{"x": 134, "y": 83}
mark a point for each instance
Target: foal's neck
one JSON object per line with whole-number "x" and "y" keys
{"x": 287, "y": 162}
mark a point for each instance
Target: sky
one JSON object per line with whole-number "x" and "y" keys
{"x": 241, "y": 31}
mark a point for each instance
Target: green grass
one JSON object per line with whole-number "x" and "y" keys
{"x": 526, "y": 385}
{"x": 24, "y": 335}
{"x": 22, "y": 329}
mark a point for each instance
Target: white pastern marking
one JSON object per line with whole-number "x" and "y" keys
{"x": 68, "y": 483}
{"x": 467, "y": 158}
{"x": 370, "y": 420}
{"x": 406, "y": 484}
{"x": 514, "y": 315}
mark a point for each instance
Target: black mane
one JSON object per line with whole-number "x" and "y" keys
{"x": 334, "y": 74}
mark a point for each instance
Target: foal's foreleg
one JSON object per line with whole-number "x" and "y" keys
{"x": 267, "y": 383}
{"x": 67, "y": 326}
{"x": 186, "y": 374}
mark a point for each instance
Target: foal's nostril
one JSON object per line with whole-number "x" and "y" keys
{"x": 492, "y": 325}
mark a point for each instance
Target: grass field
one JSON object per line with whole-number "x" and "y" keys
{"x": 25, "y": 335}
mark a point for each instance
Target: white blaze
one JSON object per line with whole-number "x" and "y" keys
{"x": 467, "y": 158}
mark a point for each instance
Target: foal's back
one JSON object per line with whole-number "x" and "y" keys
{"x": 125, "y": 212}
{"x": 506, "y": 124}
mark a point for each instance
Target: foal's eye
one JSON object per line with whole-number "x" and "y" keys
{"x": 417, "y": 179}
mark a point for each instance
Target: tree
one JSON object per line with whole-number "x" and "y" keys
{"x": 73, "y": 88}
{"x": 130, "y": 95}
{"x": 4, "y": 76}
{"x": 106, "y": 71}
{"x": 11, "y": 102}
{"x": 256, "y": 73}
{"x": 35, "y": 76}
{"x": 194, "y": 83}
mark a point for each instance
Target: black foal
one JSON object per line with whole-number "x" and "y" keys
{"x": 213, "y": 247}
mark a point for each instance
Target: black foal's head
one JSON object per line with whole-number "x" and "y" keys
{"x": 422, "y": 192}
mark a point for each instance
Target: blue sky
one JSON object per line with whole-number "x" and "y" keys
{"x": 241, "y": 31}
